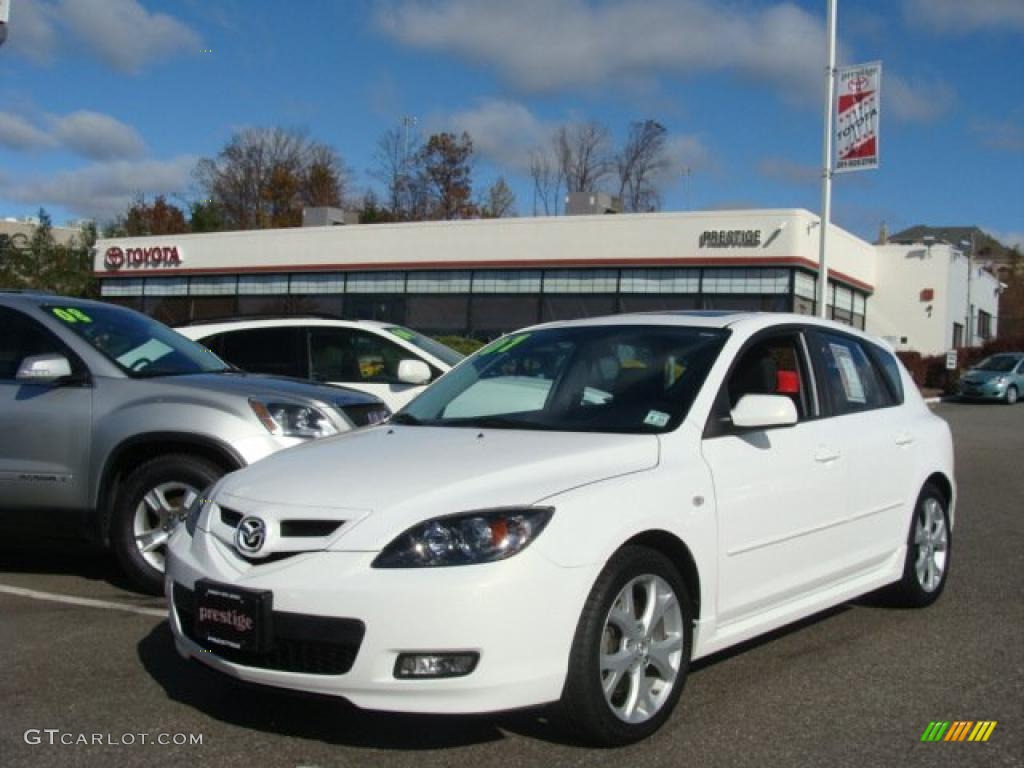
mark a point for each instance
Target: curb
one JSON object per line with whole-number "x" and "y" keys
{"x": 933, "y": 400}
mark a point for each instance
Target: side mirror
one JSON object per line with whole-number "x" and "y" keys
{"x": 413, "y": 372}
{"x": 763, "y": 411}
{"x": 43, "y": 369}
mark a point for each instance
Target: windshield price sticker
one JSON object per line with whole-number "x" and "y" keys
{"x": 71, "y": 315}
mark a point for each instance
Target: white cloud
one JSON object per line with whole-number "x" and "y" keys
{"x": 550, "y": 45}
{"x": 97, "y": 136}
{"x": 19, "y": 135}
{"x": 961, "y": 17}
{"x": 912, "y": 101}
{"x": 121, "y": 33}
{"x": 503, "y": 132}
{"x": 102, "y": 190}
{"x": 788, "y": 171}
{"x": 1006, "y": 135}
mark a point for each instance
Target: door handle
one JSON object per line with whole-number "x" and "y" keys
{"x": 826, "y": 455}
{"x": 904, "y": 438}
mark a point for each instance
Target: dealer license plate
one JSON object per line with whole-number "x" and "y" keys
{"x": 229, "y": 617}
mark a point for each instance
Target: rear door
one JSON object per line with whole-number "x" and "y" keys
{"x": 877, "y": 439}
{"x": 45, "y": 429}
{"x": 781, "y": 493}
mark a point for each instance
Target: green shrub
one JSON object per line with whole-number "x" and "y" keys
{"x": 460, "y": 343}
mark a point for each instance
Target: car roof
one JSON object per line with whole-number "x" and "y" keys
{"x": 216, "y": 326}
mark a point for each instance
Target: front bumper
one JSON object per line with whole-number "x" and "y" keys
{"x": 986, "y": 390}
{"x": 520, "y": 615}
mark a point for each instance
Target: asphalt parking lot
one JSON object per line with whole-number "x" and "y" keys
{"x": 856, "y": 686}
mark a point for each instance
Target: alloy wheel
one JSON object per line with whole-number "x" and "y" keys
{"x": 157, "y": 515}
{"x": 932, "y": 541}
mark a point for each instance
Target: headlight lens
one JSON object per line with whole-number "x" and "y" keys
{"x": 465, "y": 539}
{"x": 1000, "y": 380}
{"x": 292, "y": 419}
{"x": 195, "y": 509}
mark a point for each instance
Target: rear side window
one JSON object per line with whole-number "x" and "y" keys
{"x": 890, "y": 368}
{"x": 851, "y": 379}
{"x": 276, "y": 351}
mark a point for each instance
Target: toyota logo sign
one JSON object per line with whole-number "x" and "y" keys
{"x": 251, "y": 535}
{"x": 114, "y": 258}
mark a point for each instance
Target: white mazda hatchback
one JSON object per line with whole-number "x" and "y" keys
{"x": 573, "y": 515}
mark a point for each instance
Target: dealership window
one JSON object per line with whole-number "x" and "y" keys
{"x": 581, "y": 281}
{"x": 376, "y": 282}
{"x": 166, "y": 286}
{"x": 491, "y": 316}
{"x": 648, "y": 303}
{"x": 263, "y": 305}
{"x": 775, "y": 303}
{"x": 805, "y": 285}
{"x": 958, "y": 335}
{"x": 387, "y": 309}
{"x": 573, "y": 307}
{"x": 842, "y": 304}
{"x": 213, "y": 286}
{"x": 660, "y": 281}
{"x": 439, "y": 282}
{"x": 745, "y": 281}
{"x": 437, "y": 314}
{"x": 333, "y": 282}
{"x": 213, "y": 307}
{"x": 129, "y": 287}
{"x": 262, "y": 285}
{"x": 506, "y": 281}
{"x": 312, "y": 304}
{"x": 169, "y": 310}
{"x": 984, "y": 324}
{"x": 803, "y": 306}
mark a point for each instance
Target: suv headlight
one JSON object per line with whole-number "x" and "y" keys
{"x": 292, "y": 419}
{"x": 466, "y": 538}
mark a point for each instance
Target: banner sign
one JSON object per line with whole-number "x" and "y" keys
{"x": 858, "y": 104}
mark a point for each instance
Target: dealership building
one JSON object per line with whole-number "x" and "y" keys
{"x": 482, "y": 278}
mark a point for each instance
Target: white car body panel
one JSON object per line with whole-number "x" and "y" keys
{"x": 779, "y": 524}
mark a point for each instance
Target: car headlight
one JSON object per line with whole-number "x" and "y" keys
{"x": 292, "y": 419}
{"x": 195, "y": 509}
{"x": 1000, "y": 380}
{"x": 465, "y": 538}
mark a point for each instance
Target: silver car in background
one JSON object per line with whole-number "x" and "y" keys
{"x": 111, "y": 423}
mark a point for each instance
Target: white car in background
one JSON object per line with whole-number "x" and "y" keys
{"x": 573, "y": 515}
{"x": 382, "y": 359}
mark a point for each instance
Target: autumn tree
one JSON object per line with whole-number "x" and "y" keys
{"x": 263, "y": 178}
{"x": 142, "y": 219}
{"x": 446, "y": 162}
{"x": 499, "y": 201}
{"x": 638, "y": 164}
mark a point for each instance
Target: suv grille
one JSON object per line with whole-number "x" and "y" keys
{"x": 312, "y": 645}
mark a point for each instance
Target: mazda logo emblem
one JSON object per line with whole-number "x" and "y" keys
{"x": 251, "y": 535}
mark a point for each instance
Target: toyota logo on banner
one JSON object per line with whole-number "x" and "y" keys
{"x": 251, "y": 535}
{"x": 114, "y": 258}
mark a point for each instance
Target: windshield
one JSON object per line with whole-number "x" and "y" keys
{"x": 638, "y": 379}
{"x": 140, "y": 346}
{"x": 999, "y": 363}
{"x": 446, "y": 355}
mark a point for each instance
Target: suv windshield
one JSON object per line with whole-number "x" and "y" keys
{"x": 445, "y": 354}
{"x": 604, "y": 378}
{"x": 140, "y": 346}
{"x": 998, "y": 363}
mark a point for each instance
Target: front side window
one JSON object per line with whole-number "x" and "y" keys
{"x": 774, "y": 366}
{"x": 273, "y": 351}
{"x": 852, "y": 382}
{"x": 24, "y": 337}
{"x": 353, "y": 356}
{"x": 633, "y": 379}
{"x": 138, "y": 345}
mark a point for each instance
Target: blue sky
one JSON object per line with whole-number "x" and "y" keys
{"x": 103, "y": 99}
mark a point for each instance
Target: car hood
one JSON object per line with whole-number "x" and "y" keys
{"x": 259, "y": 385}
{"x": 386, "y": 479}
{"x": 979, "y": 376}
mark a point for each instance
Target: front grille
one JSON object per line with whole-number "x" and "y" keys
{"x": 312, "y": 645}
{"x": 230, "y": 517}
{"x": 309, "y": 528}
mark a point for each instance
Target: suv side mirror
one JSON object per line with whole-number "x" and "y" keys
{"x": 763, "y": 411}
{"x": 43, "y": 369}
{"x": 413, "y": 372}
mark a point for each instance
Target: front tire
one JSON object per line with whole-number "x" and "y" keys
{"x": 149, "y": 506}
{"x": 631, "y": 650}
{"x": 929, "y": 545}
{"x": 1011, "y": 395}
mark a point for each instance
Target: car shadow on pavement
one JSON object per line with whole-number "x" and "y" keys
{"x": 32, "y": 553}
{"x": 324, "y": 718}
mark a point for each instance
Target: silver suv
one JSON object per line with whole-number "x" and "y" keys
{"x": 112, "y": 424}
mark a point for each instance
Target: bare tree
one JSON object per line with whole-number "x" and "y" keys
{"x": 641, "y": 160}
{"x": 264, "y": 176}
{"x": 396, "y": 166}
{"x": 547, "y": 181}
{"x": 583, "y": 155}
{"x": 499, "y": 202}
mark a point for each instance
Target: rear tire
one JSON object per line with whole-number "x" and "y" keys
{"x": 631, "y": 650}
{"x": 149, "y": 506}
{"x": 929, "y": 546}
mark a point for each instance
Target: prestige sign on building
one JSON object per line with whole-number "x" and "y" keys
{"x": 858, "y": 106}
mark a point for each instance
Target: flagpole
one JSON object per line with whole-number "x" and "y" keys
{"x": 826, "y": 163}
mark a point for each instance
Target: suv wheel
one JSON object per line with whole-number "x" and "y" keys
{"x": 631, "y": 651}
{"x": 150, "y": 505}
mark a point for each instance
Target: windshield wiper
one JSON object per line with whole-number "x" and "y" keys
{"x": 406, "y": 418}
{"x": 496, "y": 422}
